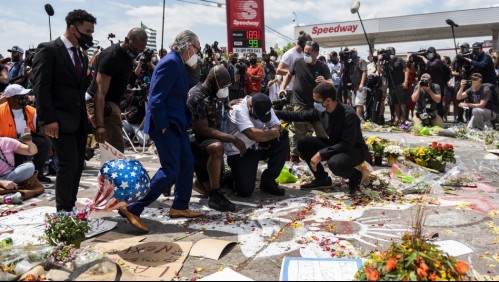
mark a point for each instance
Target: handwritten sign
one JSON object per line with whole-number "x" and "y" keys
{"x": 108, "y": 153}
{"x": 150, "y": 260}
{"x": 99, "y": 226}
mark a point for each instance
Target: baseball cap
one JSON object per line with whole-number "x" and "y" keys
{"x": 477, "y": 45}
{"x": 16, "y": 49}
{"x": 353, "y": 50}
{"x": 465, "y": 45}
{"x": 432, "y": 50}
{"x": 262, "y": 107}
{"x": 425, "y": 76}
{"x": 476, "y": 75}
{"x": 14, "y": 90}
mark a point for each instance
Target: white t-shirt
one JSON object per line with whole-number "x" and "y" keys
{"x": 239, "y": 120}
{"x": 335, "y": 69}
{"x": 289, "y": 58}
{"x": 274, "y": 89}
{"x": 20, "y": 122}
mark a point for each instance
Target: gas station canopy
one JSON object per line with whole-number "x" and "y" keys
{"x": 421, "y": 27}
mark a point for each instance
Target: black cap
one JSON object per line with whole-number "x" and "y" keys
{"x": 477, "y": 45}
{"x": 262, "y": 107}
{"x": 465, "y": 45}
{"x": 16, "y": 49}
{"x": 432, "y": 50}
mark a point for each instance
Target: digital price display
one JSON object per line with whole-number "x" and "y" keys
{"x": 247, "y": 39}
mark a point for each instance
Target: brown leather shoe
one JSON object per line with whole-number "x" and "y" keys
{"x": 184, "y": 213}
{"x": 133, "y": 219}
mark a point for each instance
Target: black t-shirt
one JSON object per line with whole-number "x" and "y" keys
{"x": 305, "y": 75}
{"x": 113, "y": 61}
{"x": 134, "y": 110}
{"x": 396, "y": 70}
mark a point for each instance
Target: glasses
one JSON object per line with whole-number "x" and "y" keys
{"x": 198, "y": 49}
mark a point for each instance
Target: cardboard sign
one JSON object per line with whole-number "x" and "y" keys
{"x": 99, "y": 226}
{"x": 210, "y": 248}
{"x": 226, "y": 275}
{"x": 108, "y": 153}
{"x": 151, "y": 260}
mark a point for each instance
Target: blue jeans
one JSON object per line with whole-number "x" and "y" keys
{"x": 134, "y": 130}
{"x": 177, "y": 166}
{"x": 20, "y": 173}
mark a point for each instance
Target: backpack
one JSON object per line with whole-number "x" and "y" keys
{"x": 494, "y": 97}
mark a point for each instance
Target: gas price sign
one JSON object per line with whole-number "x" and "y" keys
{"x": 245, "y": 26}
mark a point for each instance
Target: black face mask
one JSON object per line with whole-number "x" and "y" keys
{"x": 131, "y": 53}
{"x": 85, "y": 41}
{"x": 23, "y": 101}
{"x": 476, "y": 53}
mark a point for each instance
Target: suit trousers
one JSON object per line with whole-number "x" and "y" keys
{"x": 302, "y": 129}
{"x": 70, "y": 150}
{"x": 177, "y": 166}
{"x": 342, "y": 164}
{"x": 244, "y": 168}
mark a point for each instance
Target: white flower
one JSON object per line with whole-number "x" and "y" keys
{"x": 376, "y": 182}
{"x": 393, "y": 150}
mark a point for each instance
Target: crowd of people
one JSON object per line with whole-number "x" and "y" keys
{"x": 201, "y": 110}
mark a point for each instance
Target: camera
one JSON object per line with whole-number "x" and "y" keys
{"x": 282, "y": 101}
{"x": 147, "y": 55}
{"x": 273, "y": 53}
{"x": 426, "y": 117}
{"x": 345, "y": 55}
{"x": 468, "y": 83}
{"x": 110, "y": 36}
{"x": 30, "y": 54}
{"x": 424, "y": 83}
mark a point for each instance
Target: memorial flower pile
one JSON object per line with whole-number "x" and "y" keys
{"x": 66, "y": 227}
{"x": 394, "y": 151}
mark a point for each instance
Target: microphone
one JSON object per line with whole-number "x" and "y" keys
{"x": 49, "y": 10}
{"x": 451, "y": 23}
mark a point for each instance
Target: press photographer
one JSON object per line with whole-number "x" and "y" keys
{"x": 483, "y": 101}
{"x": 426, "y": 96}
{"x": 393, "y": 71}
{"x": 114, "y": 67}
{"x": 270, "y": 71}
{"x": 210, "y": 57}
{"x": 17, "y": 69}
{"x": 375, "y": 102}
{"x": 482, "y": 63}
{"x": 144, "y": 70}
{"x": 240, "y": 68}
{"x": 255, "y": 75}
{"x": 345, "y": 85}
{"x": 461, "y": 69}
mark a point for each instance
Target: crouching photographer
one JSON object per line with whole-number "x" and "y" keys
{"x": 426, "y": 96}
{"x": 484, "y": 101}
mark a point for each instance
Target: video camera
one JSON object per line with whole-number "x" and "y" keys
{"x": 273, "y": 53}
{"x": 345, "y": 55}
{"x": 109, "y": 36}
{"x": 147, "y": 56}
{"x": 282, "y": 101}
{"x": 30, "y": 54}
{"x": 209, "y": 50}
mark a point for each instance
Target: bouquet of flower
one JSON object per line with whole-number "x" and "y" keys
{"x": 442, "y": 153}
{"x": 393, "y": 151}
{"x": 376, "y": 144}
{"x": 66, "y": 227}
{"x": 419, "y": 155}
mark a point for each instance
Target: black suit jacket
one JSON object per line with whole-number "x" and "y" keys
{"x": 60, "y": 94}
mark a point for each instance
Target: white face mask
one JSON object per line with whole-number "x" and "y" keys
{"x": 192, "y": 60}
{"x": 223, "y": 93}
{"x": 308, "y": 59}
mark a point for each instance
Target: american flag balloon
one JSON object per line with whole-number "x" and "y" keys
{"x": 120, "y": 182}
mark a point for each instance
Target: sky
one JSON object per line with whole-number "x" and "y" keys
{"x": 25, "y": 23}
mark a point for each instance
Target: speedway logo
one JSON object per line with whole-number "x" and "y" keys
{"x": 245, "y": 23}
{"x": 246, "y": 13}
{"x": 334, "y": 29}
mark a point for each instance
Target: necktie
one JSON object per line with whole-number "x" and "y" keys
{"x": 76, "y": 58}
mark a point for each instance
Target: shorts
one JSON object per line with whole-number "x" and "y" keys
{"x": 359, "y": 98}
{"x": 398, "y": 95}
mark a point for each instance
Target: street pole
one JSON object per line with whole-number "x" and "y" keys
{"x": 163, "y": 25}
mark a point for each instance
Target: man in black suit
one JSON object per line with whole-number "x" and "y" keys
{"x": 59, "y": 83}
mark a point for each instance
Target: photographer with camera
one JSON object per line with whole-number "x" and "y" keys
{"x": 483, "y": 101}
{"x": 270, "y": 72}
{"x": 426, "y": 96}
{"x": 461, "y": 69}
{"x": 358, "y": 71}
{"x": 255, "y": 76}
{"x": 133, "y": 112}
{"x": 482, "y": 63}
{"x": 308, "y": 72}
{"x": 113, "y": 72}
{"x": 393, "y": 71}
{"x": 435, "y": 68}
{"x": 17, "y": 69}
{"x": 334, "y": 65}
{"x": 145, "y": 66}
{"x": 375, "y": 102}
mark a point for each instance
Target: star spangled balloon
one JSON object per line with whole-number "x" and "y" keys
{"x": 120, "y": 182}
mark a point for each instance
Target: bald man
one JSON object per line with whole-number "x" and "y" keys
{"x": 113, "y": 70}
{"x": 208, "y": 104}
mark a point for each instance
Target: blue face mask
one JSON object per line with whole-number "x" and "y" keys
{"x": 319, "y": 107}
{"x": 431, "y": 56}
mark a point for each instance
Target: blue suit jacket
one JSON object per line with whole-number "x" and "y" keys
{"x": 167, "y": 106}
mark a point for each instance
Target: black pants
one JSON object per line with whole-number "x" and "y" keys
{"x": 70, "y": 150}
{"x": 244, "y": 168}
{"x": 342, "y": 164}
{"x": 44, "y": 147}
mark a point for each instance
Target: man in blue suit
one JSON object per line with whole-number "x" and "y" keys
{"x": 167, "y": 120}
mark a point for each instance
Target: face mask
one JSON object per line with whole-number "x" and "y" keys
{"x": 223, "y": 93}
{"x": 252, "y": 61}
{"x": 131, "y": 53}
{"x": 85, "y": 41}
{"x": 23, "y": 101}
{"x": 218, "y": 56}
{"x": 354, "y": 55}
{"x": 474, "y": 84}
{"x": 430, "y": 56}
{"x": 392, "y": 57}
{"x": 233, "y": 61}
{"x": 192, "y": 60}
{"x": 476, "y": 53}
{"x": 319, "y": 107}
{"x": 308, "y": 59}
